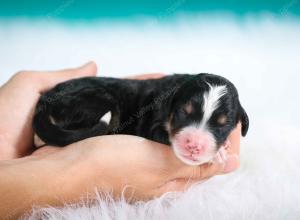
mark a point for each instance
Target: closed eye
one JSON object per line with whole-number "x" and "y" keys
{"x": 183, "y": 112}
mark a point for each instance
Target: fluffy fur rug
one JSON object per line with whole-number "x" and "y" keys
{"x": 260, "y": 56}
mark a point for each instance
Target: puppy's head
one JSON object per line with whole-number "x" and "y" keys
{"x": 204, "y": 110}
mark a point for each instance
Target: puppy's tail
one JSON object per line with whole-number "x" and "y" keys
{"x": 57, "y": 134}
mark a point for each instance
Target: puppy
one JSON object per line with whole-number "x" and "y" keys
{"x": 192, "y": 113}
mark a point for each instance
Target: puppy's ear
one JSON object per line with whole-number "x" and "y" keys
{"x": 244, "y": 119}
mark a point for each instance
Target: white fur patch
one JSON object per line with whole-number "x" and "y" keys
{"x": 106, "y": 118}
{"x": 38, "y": 141}
{"x": 211, "y": 101}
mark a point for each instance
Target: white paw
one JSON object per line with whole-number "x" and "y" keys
{"x": 106, "y": 118}
{"x": 37, "y": 141}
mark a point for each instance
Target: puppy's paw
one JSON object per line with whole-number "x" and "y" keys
{"x": 38, "y": 141}
{"x": 106, "y": 118}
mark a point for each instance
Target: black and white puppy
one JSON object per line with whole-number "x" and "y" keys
{"x": 192, "y": 113}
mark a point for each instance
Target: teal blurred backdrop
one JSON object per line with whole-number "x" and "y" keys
{"x": 95, "y": 9}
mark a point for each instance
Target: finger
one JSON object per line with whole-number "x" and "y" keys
{"x": 194, "y": 175}
{"x": 233, "y": 150}
{"x": 186, "y": 176}
{"x": 189, "y": 176}
{"x": 147, "y": 76}
{"x": 232, "y": 163}
{"x": 234, "y": 140}
{"x": 208, "y": 170}
{"x": 221, "y": 165}
{"x": 53, "y": 78}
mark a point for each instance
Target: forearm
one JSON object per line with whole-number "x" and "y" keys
{"x": 28, "y": 182}
{"x": 54, "y": 178}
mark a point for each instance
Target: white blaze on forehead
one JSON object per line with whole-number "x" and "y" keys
{"x": 211, "y": 100}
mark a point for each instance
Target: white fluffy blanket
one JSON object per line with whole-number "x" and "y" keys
{"x": 261, "y": 56}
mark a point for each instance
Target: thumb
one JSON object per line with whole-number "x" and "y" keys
{"x": 207, "y": 170}
{"x": 54, "y": 77}
{"x": 185, "y": 176}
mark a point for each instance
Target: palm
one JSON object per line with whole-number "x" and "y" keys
{"x": 18, "y": 98}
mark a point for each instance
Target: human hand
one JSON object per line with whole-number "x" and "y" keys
{"x": 138, "y": 168}
{"x": 125, "y": 165}
{"x": 18, "y": 98}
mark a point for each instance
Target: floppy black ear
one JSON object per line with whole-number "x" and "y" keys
{"x": 245, "y": 120}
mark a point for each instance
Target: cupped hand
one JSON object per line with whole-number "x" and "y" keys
{"x": 134, "y": 167}
{"x": 18, "y": 98}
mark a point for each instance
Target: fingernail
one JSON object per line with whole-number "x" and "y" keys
{"x": 231, "y": 163}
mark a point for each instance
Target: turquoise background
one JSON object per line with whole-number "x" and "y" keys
{"x": 117, "y": 9}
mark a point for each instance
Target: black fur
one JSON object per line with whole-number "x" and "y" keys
{"x": 139, "y": 107}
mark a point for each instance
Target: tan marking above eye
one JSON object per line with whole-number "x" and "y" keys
{"x": 188, "y": 108}
{"x": 222, "y": 119}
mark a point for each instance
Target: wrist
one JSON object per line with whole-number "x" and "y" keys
{"x": 33, "y": 181}
{"x": 22, "y": 185}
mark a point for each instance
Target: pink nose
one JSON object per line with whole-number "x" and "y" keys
{"x": 193, "y": 143}
{"x": 194, "y": 146}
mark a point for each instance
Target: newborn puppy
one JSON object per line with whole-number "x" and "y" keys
{"x": 192, "y": 113}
